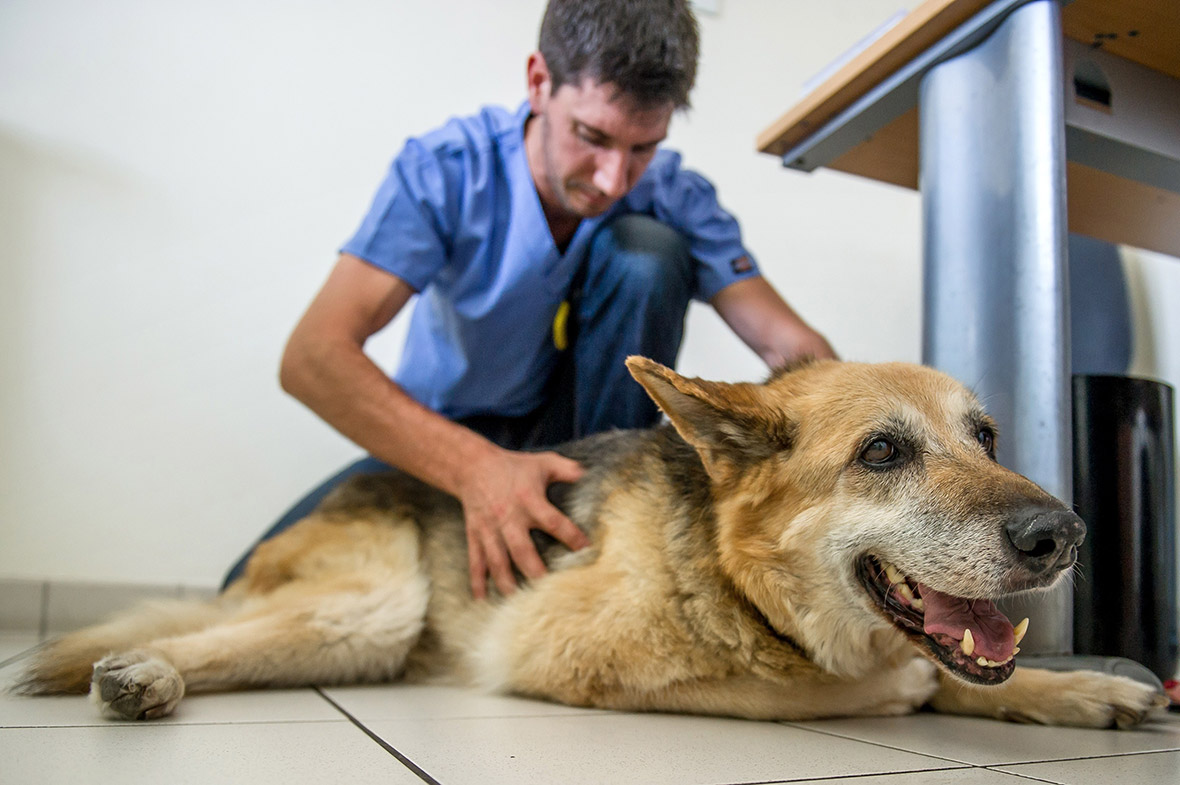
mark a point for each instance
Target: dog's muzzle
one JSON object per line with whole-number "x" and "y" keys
{"x": 1046, "y": 541}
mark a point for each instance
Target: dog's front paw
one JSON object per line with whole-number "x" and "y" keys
{"x": 135, "y": 685}
{"x": 1092, "y": 699}
{"x": 1089, "y": 699}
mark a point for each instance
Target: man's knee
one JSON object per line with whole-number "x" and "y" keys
{"x": 637, "y": 253}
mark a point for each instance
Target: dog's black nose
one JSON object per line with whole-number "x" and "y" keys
{"x": 1046, "y": 539}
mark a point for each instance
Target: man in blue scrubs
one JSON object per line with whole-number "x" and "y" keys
{"x": 545, "y": 245}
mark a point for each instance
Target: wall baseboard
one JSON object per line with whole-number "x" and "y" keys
{"x": 50, "y": 608}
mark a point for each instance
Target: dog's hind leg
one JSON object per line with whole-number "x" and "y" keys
{"x": 343, "y": 622}
{"x": 64, "y": 665}
{"x": 307, "y": 635}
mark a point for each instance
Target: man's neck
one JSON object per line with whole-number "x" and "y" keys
{"x": 562, "y": 223}
{"x": 562, "y": 227}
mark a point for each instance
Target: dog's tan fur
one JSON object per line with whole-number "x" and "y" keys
{"x": 720, "y": 579}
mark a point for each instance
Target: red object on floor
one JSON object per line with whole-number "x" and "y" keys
{"x": 1172, "y": 687}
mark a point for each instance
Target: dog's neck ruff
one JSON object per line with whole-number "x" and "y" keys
{"x": 778, "y": 634}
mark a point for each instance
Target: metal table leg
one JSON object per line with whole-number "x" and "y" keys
{"x": 995, "y": 298}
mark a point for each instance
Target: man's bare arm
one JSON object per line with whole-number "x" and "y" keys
{"x": 763, "y": 320}
{"x": 502, "y": 492}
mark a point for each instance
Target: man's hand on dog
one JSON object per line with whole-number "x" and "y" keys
{"x": 503, "y": 498}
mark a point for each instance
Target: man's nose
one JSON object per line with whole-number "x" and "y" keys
{"x": 610, "y": 174}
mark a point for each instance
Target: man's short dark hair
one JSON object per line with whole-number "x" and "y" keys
{"x": 646, "y": 48}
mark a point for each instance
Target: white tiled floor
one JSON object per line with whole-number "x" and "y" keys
{"x": 406, "y": 734}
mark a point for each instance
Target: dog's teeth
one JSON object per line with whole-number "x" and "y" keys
{"x": 981, "y": 661}
{"x": 893, "y": 574}
{"x": 918, "y": 604}
{"x": 905, "y": 592}
{"x": 1015, "y": 651}
{"x": 968, "y": 642}
{"x": 1020, "y": 630}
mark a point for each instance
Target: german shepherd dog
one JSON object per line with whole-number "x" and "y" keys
{"x": 825, "y": 544}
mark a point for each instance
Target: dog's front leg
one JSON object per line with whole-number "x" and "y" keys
{"x": 1085, "y": 699}
{"x": 898, "y": 691}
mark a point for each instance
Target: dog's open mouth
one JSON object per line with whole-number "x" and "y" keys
{"x": 968, "y": 636}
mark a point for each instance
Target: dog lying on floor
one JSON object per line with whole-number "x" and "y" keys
{"x": 825, "y": 544}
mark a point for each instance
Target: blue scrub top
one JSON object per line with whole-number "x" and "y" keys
{"x": 458, "y": 218}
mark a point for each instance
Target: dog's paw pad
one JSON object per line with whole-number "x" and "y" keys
{"x": 135, "y": 686}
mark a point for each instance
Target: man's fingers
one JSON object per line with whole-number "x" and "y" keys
{"x": 549, "y": 519}
{"x": 498, "y": 564}
{"x": 505, "y": 510}
{"x": 478, "y": 567}
{"x": 563, "y": 469}
{"x": 524, "y": 553}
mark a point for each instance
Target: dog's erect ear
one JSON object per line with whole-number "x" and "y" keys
{"x": 726, "y": 423}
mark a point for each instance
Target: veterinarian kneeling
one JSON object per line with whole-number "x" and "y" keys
{"x": 546, "y": 243}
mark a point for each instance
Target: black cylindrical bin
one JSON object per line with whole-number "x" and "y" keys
{"x": 1124, "y": 489}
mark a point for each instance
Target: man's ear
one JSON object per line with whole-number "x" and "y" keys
{"x": 539, "y": 82}
{"x": 728, "y": 424}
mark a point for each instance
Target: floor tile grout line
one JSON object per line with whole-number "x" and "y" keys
{"x": 982, "y": 765}
{"x": 1028, "y": 777}
{"x": 1168, "y": 751}
{"x": 842, "y": 777}
{"x": 409, "y": 764}
{"x": 156, "y": 724}
{"x": 13, "y": 659}
{"x": 556, "y": 715}
{"x": 20, "y": 655}
{"x": 883, "y": 745}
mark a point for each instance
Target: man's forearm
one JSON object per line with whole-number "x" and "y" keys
{"x": 767, "y": 324}
{"x": 348, "y": 391}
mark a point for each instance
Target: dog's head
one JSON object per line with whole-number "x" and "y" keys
{"x": 860, "y": 505}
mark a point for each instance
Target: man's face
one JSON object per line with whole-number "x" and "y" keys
{"x": 590, "y": 144}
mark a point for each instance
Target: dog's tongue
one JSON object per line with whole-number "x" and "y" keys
{"x": 950, "y": 615}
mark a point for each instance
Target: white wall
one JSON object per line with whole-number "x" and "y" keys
{"x": 175, "y": 179}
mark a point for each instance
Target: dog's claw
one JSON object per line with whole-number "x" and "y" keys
{"x": 1128, "y": 718}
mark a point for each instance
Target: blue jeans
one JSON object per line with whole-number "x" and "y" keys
{"x": 630, "y": 297}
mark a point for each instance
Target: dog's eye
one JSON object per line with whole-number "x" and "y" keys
{"x": 987, "y": 440}
{"x": 880, "y": 452}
